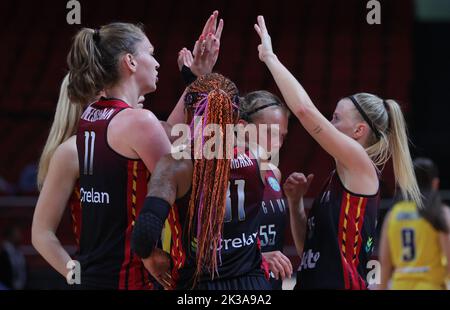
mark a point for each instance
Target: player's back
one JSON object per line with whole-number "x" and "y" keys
{"x": 239, "y": 250}
{"x": 415, "y": 250}
{"x": 112, "y": 191}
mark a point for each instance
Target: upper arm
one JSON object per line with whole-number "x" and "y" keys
{"x": 58, "y": 186}
{"x": 346, "y": 150}
{"x": 171, "y": 178}
{"x": 147, "y": 138}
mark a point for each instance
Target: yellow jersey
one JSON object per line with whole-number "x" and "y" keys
{"x": 416, "y": 252}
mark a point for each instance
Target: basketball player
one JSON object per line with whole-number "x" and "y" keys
{"x": 50, "y": 247}
{"x": 215, "y": 218}
{"x": 415, "y": 241}
{"x": 264, "y": 108}
{"x": 364, "y": 133}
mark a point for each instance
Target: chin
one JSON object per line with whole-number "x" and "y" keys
{"x": 150, "y": 89}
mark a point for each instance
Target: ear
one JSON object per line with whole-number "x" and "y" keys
{"x": 359, "y": 131}
{"x": 130, "y": 62}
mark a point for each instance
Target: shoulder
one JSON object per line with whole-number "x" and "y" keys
{"x": 66, "y": 150}
{"x": 138, "y": 117}
{"x": 65, "y": 158}
{"x": 134, "y": 123}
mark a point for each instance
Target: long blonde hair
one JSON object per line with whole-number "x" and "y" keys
{"x": 64, "y": 126}
{"x": 387, "y": 118}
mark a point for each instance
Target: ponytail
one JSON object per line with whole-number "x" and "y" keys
{"x": 87, "y": 75}
{"x": 401, "y": 158}
{"x": 64, "y": 125}
{"x": 94, "y": 56}
{"x": 387, "y": 117}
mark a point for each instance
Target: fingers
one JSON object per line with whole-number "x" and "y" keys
{"x": 277, "y": 269}
{"x": 180, "y": 59}
{"x": 279, "y": 264}
{"x": 219, "y": 29}
{"x": 165, "y": 279}
{"x": 262, "y": 24}
{"x": 209, "y": 43}
{"x": 310, "y": 178}
{"x": 184, "y": 58}
{"x": 210, "y": 25}
{"x": 197, "y": 46}
{"x": 189, "y": 57}
{"x": 214, "y": 22}
{"x": 299, "y": 177}
{"x": 287, "y": 265}
{"x": 258, "y": 31}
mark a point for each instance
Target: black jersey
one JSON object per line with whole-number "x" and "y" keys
{"x": 339, "y": 239}
{"x": 112, "y": 192}
{"x": 240, "y": 251}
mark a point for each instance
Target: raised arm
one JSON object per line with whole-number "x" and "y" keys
{"x": 346, "y": 150}
{"x": 56, "y": 191}
{"x": 201, "y": 61}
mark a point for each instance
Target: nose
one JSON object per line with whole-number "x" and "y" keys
{"x": 157, "y": 65}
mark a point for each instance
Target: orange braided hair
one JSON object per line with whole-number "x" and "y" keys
{"x": 210, "y": 176}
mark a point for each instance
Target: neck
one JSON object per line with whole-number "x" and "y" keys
{"x": 126, "y": 92}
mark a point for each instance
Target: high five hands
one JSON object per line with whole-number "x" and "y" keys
{"x": 206, "y": 49}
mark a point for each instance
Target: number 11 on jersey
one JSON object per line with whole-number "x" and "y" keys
{"x": 240, "y": 185}
{"x": 89, "y": 152}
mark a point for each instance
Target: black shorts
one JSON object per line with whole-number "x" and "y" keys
{"x": 245, "y": 282}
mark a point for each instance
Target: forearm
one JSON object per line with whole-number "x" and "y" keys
{"x": 50, "y": 248}
{"x": 298, "y": 223}
{"x": 293, "y": 92}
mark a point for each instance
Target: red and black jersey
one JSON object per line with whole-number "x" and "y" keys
{"x": 339, "y": 239}
{"x": 112, "y": 192}
{"x": 240, "y": 252}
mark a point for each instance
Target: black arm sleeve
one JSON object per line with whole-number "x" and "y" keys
{"x": 148, "y": 226}
{"x": 187, "y": 75}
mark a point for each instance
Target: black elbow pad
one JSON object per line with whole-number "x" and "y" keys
{"x": 148, "y": 227}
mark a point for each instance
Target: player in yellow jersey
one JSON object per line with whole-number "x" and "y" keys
{"x": 415, "y": 244}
